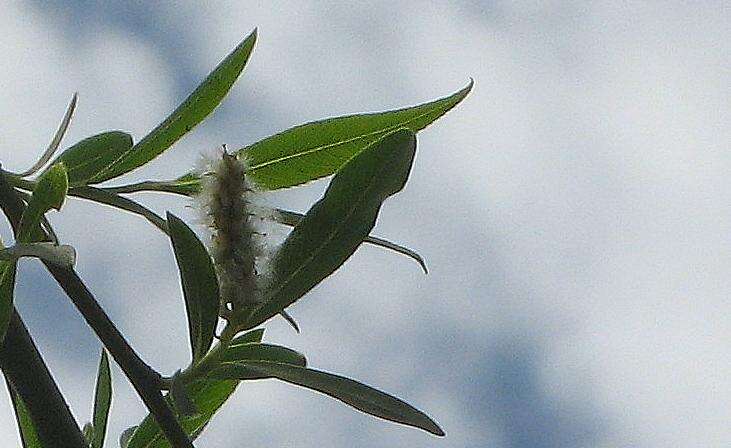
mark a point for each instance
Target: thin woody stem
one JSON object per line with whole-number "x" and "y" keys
{"x": 144, "y": 379}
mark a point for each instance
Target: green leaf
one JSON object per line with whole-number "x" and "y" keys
{"x": 102, "y": 196}
{"x": 319, "y": 149}
{"x": 7, "y": 292}
{"x": 335, "y": 226}
{"x": 102, "y": 402}
{"x": 200, "y": 286}
{"x": 208, "y": 397}
{"x": 358, "y": 395}
{"x": 28, "y": 434}
{"x": 290, "y": 218}
{"x": 263, "y": 352}
{"x": 192, "y": 111}
{"x": 87, "y": 158}
{"x": 49, "y": 192}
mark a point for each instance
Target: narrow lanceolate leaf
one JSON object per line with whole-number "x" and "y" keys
{"x": 57, "y": 137}
{"x": 49, "y": 192}
{"x": 102, "y": 402}
{"x": 358, "y": 395}
{"x": 207, "y": 396}
{"x": 200, "y": 287}
{"x": 87, "y": 158}
{"x": 192, "y": 111}
{"x": 319, "y": 149}
{"x": 290, "y": 218}
{"x": 334, "y": 227}
{"x": 28, "y": 434}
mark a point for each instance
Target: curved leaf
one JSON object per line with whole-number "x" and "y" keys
{"x": 335, "y": 226}
{"x": 55, "y": 141}
{"x": 200, "y": 286}
{"x": 192, "y": 111}
{"x": 320, "y": 148}
{"x": 87, "y": 158}
{"x": 358, "y": 395}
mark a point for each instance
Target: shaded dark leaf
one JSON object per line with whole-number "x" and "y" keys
{"x": 200, "y": 286}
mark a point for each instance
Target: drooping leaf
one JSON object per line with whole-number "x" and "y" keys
{"x": 334, "y": 227}
{"x": 49, "y": 192}
{"x": 87, "y": 158}
{"x": 28, "y": 435}
{"x": 263, "y": 352}
{"x": 319, "y": 149}
{"x": 102, "y": 402}
{"x": 192, "y": 111}
{"x": 208, "y": 396}
{"x": 102, "y": 196}
{"x": 200, "y": 286}
{"x": 290, "y": 218}
{"x": 358, "y": 395}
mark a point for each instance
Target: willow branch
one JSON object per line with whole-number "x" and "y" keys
{"x": 144, "y": 379}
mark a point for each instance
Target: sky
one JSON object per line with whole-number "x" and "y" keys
{"x": 573, "y": 211}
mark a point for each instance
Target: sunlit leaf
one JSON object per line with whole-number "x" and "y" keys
{"x": 358, "y": 395}
{"x": 200, "y": 286}
{"x": 319, "y": 149}
{"x": 87, "y": 158}
{"x": 314, "y": 150}
{"x": 334, "y": 227}
{"x": 192, "y": 111}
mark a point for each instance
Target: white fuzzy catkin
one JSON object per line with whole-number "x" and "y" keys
{"x": 236, "y": 244}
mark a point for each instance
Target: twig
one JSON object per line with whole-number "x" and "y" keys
{"x": 144, "y": 379}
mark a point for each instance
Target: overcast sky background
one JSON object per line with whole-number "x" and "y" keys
{"x": 574, "y": 211}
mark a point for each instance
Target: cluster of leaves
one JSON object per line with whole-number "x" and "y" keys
{"x": 370, "y": 156}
